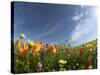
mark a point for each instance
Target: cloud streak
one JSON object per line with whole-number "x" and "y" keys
{"x": 77, "y": 17}
{"x": 46, "y": 27}
{"x": 55, "y": 27}
{"x": 81, "y": 29}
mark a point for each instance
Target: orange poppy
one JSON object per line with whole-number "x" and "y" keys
{"x": 54, "y": 50}
{"x": 46, "y": 47}
{"x": 25, "y": 46}
{"x": 38, "y": 46}
{"x": 21, "y": 50}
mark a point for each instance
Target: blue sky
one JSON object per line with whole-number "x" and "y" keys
{"x": 55, "y": 22}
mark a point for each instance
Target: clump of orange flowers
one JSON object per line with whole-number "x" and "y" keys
{"x": 38, "y": 47}
{"x": 50, "y": 48}
{"x": 33, "y": 47}
{"x": 23, "y": 48}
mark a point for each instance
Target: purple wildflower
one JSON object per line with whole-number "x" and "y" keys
{"x": 39, "y": 64}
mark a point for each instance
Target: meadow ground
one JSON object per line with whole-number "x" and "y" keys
{"x": 36, "y": 57}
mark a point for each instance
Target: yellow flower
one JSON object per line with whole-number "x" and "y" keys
{"x": 90, "y": 50}
{"x": 90, "y": 67}
{"x": 31, "y": 43}
{"x": 62, "y": 69}
{"x": 22, "y": 36}
{"x": 69, "y": 55}
{"x": 77, "y": 64}
{"x": 62, "y": 61}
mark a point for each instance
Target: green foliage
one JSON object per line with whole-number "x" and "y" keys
{"x": 27, "y": 62}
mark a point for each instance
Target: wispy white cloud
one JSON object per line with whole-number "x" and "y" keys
{"x": 77, "y": 17}
{"x": 81, "y": 29}
{"x": 54, "y": 27}
{"x": 57, "y": 25}
{"x": 46, "y": 27}
{"x": 77, "y": 33}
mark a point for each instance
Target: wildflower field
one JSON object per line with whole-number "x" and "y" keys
{"x": 34, "y": 56}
